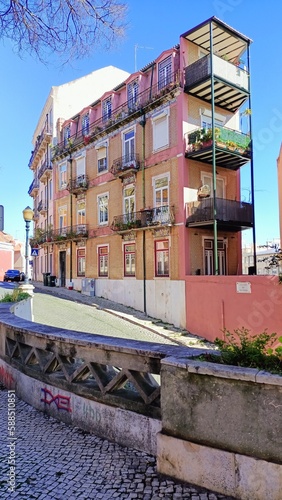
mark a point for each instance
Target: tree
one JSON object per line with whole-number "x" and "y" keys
{"x": 70, "y": 28}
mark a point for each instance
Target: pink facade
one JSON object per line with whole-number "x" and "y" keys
{"x": 217, "y": 302}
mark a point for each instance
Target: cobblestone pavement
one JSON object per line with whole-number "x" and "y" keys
{"x": 54, "y": 461}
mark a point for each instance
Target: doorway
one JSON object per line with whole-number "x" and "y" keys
{"x": 63, "y": 268}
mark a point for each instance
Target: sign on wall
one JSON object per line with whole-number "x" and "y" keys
{"x": 1, "y": 218}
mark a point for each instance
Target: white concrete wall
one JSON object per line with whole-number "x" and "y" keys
{"x": 165, "y": 299}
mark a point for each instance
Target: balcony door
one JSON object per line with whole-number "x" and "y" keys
{"x": 128, "y": 203}
{"x": 209, "y": 256}
{"x": 129, "y": 147}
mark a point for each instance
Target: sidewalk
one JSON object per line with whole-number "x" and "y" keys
{"x": 167, "y": 331}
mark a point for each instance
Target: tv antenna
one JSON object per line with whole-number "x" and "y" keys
{"x": 136, "y": 47}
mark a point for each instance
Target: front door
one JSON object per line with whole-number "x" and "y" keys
{"x": 209, "y": 256}
{"x": 63, "y": 268}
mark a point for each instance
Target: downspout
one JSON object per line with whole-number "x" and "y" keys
{"x": 70, "y": 160}
{"x": 252, "y": 168}
{"x": 143, "y": 123}
{"x": 215, "y": 256}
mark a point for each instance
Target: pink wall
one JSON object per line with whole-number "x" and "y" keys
{"x": 212, "y": 303}
{"x": 6, "y": 261}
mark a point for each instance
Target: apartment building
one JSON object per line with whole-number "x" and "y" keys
{"x": 63, "y": 101}
{"x": 146, "y": 178}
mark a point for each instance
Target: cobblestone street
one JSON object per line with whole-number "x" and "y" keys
{"x": 54, "y": 461}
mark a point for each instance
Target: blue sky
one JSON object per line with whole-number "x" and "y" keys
{"x": 154, "y": 27}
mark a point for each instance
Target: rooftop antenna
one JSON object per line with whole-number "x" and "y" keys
{"x": 136, "y": 47}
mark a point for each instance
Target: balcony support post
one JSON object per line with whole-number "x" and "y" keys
{"x": 143, "y": 124}
{"x": 215, "y": 255}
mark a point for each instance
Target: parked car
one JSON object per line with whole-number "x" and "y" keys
{"x": 13, "y": 275}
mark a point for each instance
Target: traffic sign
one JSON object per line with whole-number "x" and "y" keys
{"x": 34, "y": 252}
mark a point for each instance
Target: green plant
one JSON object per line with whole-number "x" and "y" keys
{"x": 15, "y": 296}
{"x": 263, "y": 351}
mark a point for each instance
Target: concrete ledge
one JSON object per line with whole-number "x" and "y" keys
{"x": 217, "y": 470}
{"x": 115, "y": 424}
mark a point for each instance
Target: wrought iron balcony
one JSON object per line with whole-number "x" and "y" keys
{"x": 146, "y": 218}
{"x": 232, "y": 148}
{"x": 150, "y": 98}
{"x": 230, "y": 215}
{"x": 78, "y": 185}
{"x": 125, "y": 164}
{"x": 45, "y": 170}
{"x": 231, "y": 82}
{"x": 34, "y": 187}
{"x": 41, "y": 143}
{"x": 74, "y": 233}
{"x": 42, "y": 207}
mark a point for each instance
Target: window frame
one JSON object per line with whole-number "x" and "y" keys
{"x": 105, "y": 256}
{"x": 63, "y": 176}
{"x": 103, "y": 221}
{"x": 157, "y": 119}
{"x": 80, "y": 261}
{"x": 132, "y": 257}
{"x": 165, "y": 256}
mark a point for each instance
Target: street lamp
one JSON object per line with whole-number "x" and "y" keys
{"x": 28, "y": 216}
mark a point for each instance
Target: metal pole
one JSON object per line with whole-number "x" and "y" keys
{"x": 215, "y": 255}
{"x": 27, "y": 225}
{"x": 70, "y": 218}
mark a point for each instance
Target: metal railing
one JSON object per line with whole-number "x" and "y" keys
{"x": 125, "y": 163}
{"x": 226, "y": 211}
{"x": 144, "y": 218}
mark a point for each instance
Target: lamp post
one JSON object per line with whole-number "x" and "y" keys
{"x": 28, "y": 216}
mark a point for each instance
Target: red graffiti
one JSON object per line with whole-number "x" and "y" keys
{"x": 6, "y": 378}
{"x": 62, "y": 402}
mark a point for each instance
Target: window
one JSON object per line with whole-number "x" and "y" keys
{"x": 81, "y": 216}
{"x": 63, "y": 176}
{"x": 206, "y": 120}
{"x": 129, "y": 199}
{"x": 85, "y": 124}
{"x": 102, "y": 159}
{"x": 160, "y": 131}
{"x": 62, "y": 219}
{"x": 80, "y": 169}
{"x": 103, "y": 260}
{"x": 128, "y": 146}
{"x": 107, "y": 109}
{"x": 209, "y": 256}
{"x": 220, "y": 185}
{"x": 103, "y": 209}
{"x": 162, "y": 258}
{"x": 132, "y": 94}
{"x": 81, "y": 262}
{"x": 165, "y": 72}
{"x": 67, "y": 133}
{"x": 129, "y": 259}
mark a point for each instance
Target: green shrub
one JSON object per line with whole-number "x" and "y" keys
{"x": 252, "y": 351}
{"x": 15, "y": 296}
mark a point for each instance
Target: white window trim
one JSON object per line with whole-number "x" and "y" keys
{"x": 102, "y": 144}
{"x": 160, "y": 176}
{"x": 219, "y": 177}
{"x": 108, "y": 247}
{"x": 98, "y": 210}
{"x": 208, "y": 114}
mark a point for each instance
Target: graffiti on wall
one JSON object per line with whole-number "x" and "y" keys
{"x": 6, "y": 378}
{"x": 62, "y": 402}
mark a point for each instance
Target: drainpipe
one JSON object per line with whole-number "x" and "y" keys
{"x": 143, "y": 123}
{"x": 70, "y": 160}
{"x": 252, "y": 169}
{"x": 215, "y": 256}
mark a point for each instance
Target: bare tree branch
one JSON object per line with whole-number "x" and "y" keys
{"x": 70, "y": 28}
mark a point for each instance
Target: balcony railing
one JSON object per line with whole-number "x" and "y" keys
{"x": 148, "y": 99}
{"x": 76, "y": 232}
{"x": 42, "y": 207}
{"x": 125, "y": 164}
{"x": 235, "y": 214}
{"x": 34, "y": 187}
{"x": 42, "y": 141}
{"x": 233, "y": 148}
{"x": 78, "y": 185}
{"x": 45, "y": 169}
{"x": 231, "y": 87}
{"x": 144, "y": 218}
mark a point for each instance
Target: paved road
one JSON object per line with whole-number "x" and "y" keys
{"x": 54, "y": 461}
{"x": 57, "y": 462}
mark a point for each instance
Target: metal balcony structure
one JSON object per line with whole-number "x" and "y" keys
{"x": 230, "y": 215}
{"x": 147, "y": 100}
{"x": 42, "y": 207}
{"x": 34, "y": 188}
{"x": 42, "y": 142}
{"x": 45, "y": 171}
{"x": 125, "y": 165}
{"x": 232, "y": 148}
{"x": 78, "y": 185}
{"x": 144, "y": 219}
{"x": 222, "y": 48}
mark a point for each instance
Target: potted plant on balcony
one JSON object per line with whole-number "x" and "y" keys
{"x": 207, "y": 138}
